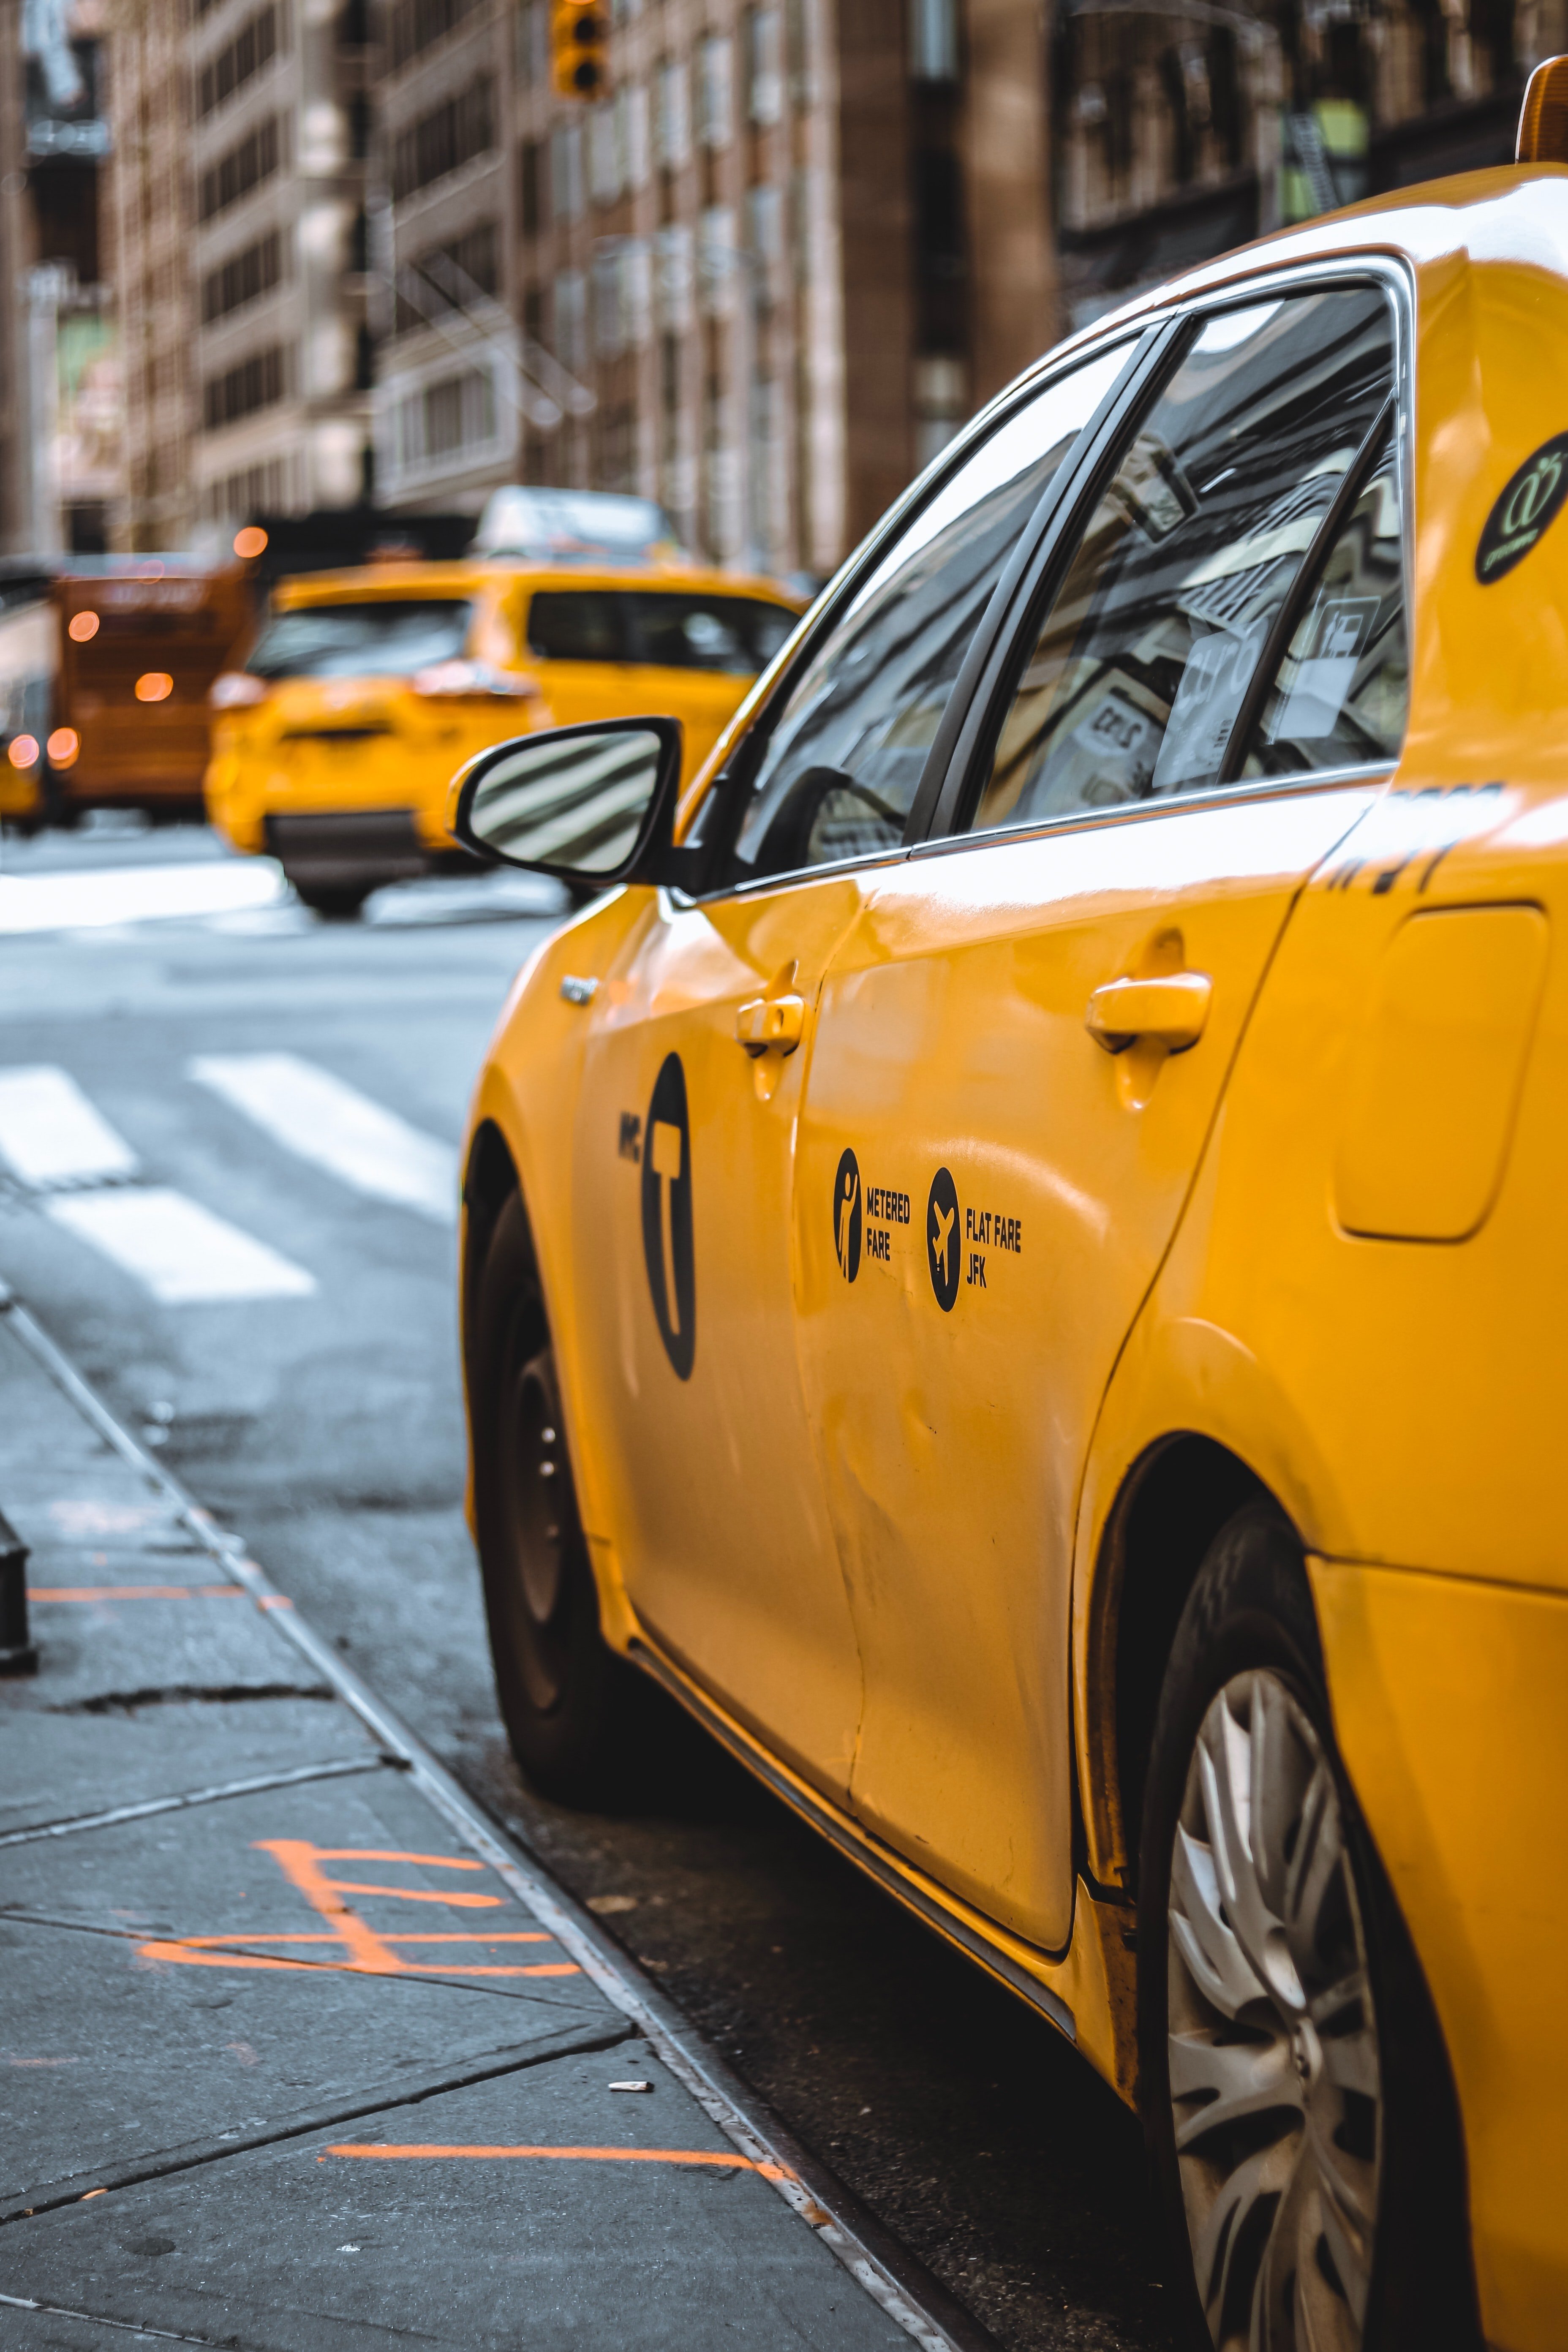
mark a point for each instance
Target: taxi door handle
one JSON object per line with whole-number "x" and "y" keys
{"x": 1169, "y": 1010}
{"x": 774, "y": 1023}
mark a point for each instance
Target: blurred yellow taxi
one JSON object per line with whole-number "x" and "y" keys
{"x": 334, "y": 745}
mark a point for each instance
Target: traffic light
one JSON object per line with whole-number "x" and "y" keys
{"x": 579, "y": 33}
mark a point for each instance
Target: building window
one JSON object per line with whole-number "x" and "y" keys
{"x": 533, "y": 43}
{"x": 450, "y": 418}
{"x": 632, "y": 107}
{"x": 572, "y": 321}
{"x": 254, "y": 45}
{"x": 451, "y": 274}
{"x": 715, "y": 64}
{"x": 764, "y": 75}
{"x": 531, "y": 187}
{"x": 604, "y": 173}
{"x": 252, "y": 160}
{"x": 441, "y": 142}
{"x": 933, "y": 40}
{"x": 566, "y": 170}
{"x": 672, "y": 116}
{"x": 243, "y": 279}
{"x": 764, "y": 231}
{"x": 415, "y": 26}
{"x": 257, "y": 383}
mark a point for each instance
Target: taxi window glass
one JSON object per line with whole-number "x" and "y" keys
{"x": 386, "y": 637}
{"x": 741, "y": 633}
{"x": 674, "y": 629}
{"x": 1132, "y": 682}
{"x": 1340, "y": 695}
{"x": 846, "y": 755}
{"x": 575, "y": 624}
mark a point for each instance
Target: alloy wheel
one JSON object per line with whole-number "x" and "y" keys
{"x": 1275, "y": 2078}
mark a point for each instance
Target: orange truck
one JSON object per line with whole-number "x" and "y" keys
{"x": 142, "y": 638}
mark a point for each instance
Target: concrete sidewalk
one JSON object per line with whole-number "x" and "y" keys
{"x": 293, "y": 2049}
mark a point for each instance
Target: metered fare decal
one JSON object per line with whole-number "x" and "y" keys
{"x": 667, "y": 1216}
{"x": 863, "y": 1218}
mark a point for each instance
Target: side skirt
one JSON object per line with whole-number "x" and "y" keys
{"x": 1087, "y": 1993}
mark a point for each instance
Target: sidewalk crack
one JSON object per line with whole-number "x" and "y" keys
{"x": 26, "y": 2204}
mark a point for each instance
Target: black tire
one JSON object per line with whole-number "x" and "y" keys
{"x": 573, "y": 1708}
{"x": 1249, "y": 1632}
{"x": 337, "y": 902}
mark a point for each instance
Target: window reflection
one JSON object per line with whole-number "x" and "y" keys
{"x": 1136, "y": 677}
{"x": 845, "y": 756}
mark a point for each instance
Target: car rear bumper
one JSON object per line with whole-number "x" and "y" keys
{"x": 1448, "y": 1698}
{"x": 342, "y": 848}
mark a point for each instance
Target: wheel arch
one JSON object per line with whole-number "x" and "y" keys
{"x": 1171, "y": 1505}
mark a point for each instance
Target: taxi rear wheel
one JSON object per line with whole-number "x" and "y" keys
{"x": 1295, "y": 2091}
{"x": 570, "y": 1705}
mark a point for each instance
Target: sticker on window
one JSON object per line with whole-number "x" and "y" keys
{"x": 1339, "y": 630}
{"x": 1207, "y": 701}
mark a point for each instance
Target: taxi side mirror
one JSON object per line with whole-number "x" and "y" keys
{"x": 593, "y": 805}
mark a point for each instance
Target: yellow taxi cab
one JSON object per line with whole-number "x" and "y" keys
{"x": 333, "y": 747}
{"x": 1019, "y": 1264}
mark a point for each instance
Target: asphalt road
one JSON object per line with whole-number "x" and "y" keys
{"x": 321, "y": 1417}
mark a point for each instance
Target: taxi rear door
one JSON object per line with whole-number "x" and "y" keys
{"x": 1023, "y": 1043}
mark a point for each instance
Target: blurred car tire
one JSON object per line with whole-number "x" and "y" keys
{"x": 571, "y": 1706}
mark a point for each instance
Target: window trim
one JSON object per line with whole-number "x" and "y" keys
{"x": 1143, "y": 347}
{"x": 962, "y": 782}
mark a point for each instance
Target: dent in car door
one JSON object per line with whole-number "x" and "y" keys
{"x": 1019, "y": 1052}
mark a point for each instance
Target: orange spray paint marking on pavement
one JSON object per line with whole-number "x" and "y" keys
{"x": 729, "y": 2159}
{"x": 367, "y": 1951}
{"x": 86, "y": 1592}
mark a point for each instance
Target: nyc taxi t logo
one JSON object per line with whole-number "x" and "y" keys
{"x": 667, "y": 1216}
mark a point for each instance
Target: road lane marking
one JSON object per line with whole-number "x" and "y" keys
{"x": 183, "y": 1254}
{"x": 727, "y": 2159}
{"x": 136, "y": 894}
{"x": 322, "y": 1119}
{"x": 51, "y": 1133}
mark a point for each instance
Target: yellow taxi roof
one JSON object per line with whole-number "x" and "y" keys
{"x": 390, "y": 581}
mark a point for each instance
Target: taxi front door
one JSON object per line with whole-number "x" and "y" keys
{"x": 1021, "y": 1047}
{"x": 684, "y": 1169}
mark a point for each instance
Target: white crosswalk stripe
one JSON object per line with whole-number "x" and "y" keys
{"x": 136, "y": 894}
{"x": 322, "y": 1119}
{"x": 51, "y": 1133}
{"x": 183, "y": 1252}
{"x": 60, "y": 1145}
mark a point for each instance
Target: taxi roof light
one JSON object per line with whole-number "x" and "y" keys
{"x": 1544, "y": 117}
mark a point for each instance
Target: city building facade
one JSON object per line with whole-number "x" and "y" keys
{"x": 281, "y": 100}
{"x": 146, "y": 216}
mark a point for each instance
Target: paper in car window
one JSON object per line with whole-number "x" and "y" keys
{"x": 1153, "y": 490}
{"x": 1206, "y": 703}
{"x": 1121, "y": 742}
{"x": 1339, "y": 633}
